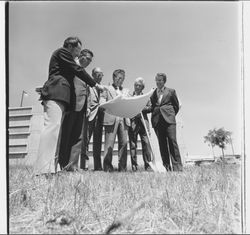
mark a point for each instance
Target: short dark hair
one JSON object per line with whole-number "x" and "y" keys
{"x": 86, "y": 51}
{"x": 163, "y": 75}
{"x": 73, "y": 41}
{"x": 118, "y": 71}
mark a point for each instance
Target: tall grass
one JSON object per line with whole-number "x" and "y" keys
{"x": 201, "y": 199}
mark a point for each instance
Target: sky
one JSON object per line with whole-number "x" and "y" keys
{"x": 197, "y": 44}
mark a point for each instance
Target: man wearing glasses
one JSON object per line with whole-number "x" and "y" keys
{"x": 74, "y": 121}
{"x": 115, "y": 126}
{"x": 137, "y": 128}
{"x": 94, "y": 125}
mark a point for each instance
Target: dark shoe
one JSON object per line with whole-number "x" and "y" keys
{"x": 98, "y": 169}
{"x": 122, "y": 169}
{"x": 71, "y": 169}
{"x": 168, "y": 168}
{"x": 107, "y": 166}
{"x": 84, "y": 163}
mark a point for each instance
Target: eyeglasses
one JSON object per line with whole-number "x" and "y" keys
{"x": 99, "y": 74}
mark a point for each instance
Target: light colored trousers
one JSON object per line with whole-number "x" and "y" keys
{"x": 121, "y": 130}
{"x": 49, "y": 139}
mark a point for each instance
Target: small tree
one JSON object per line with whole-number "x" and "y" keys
{"x": 219, "y": 137}
{"x": 210, "y": 139}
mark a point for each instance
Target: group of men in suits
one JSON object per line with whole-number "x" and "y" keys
{"x": 71, "y": 99}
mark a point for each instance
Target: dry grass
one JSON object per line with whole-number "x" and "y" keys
{"x": 204, "y": 199}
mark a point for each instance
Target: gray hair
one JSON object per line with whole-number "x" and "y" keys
{"x": 140, "y": 80}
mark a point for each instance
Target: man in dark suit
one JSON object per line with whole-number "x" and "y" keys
{"x": 115, "y": 125}
{"x": 94, "y": 125}
{"x": 74, "y": 122}
{"x": 57, "y": 96}
{"x": 165, "y": 106}
{"x": 137, "y": 127}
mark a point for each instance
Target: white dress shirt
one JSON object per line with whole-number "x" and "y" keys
{"x": 160, "y": 94}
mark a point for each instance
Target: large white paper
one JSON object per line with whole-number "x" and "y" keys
{"x": 126, "y": 107}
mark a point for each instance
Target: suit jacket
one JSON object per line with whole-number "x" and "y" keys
{"x": 62, "y": 70}
{"x": 109, "y": 94}
{"x": 168, "y": 107}
{"x": 145, "y": 111}
{"x": 81, "y": 91}
{"x": 93, "y": 102}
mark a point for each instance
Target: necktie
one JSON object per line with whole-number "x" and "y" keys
{"x": 160, "y": 94}
{"x": 98, "y": 93}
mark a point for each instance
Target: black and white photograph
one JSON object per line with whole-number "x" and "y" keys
{"x": 125, "y": 117}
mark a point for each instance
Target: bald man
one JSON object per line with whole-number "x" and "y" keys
{"x": 137, "y": 128}
{"x": 94, "y": 125}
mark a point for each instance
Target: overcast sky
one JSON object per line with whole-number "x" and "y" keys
{"x": 197, "y": 44}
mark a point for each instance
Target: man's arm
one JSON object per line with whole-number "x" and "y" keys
{"x": 148, "y": 107}
{"x": 175, "y": 102}
{"x": 67, "y": 61}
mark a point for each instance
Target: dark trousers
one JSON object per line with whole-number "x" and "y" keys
{"x": 71, "y": 138}
{"x": 137, "y": 128}
{"x": 94, "y": 127}
{"x": 120, "y": 129}
{"x": 166, "y": 134}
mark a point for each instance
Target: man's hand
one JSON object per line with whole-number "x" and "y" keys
{"x": 87, "y": 112}
{"x": 99, "y": 87}
{"x": 101, "y": 109}
{"x": 39, "y": 90}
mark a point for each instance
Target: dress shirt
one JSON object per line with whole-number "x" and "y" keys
{"x": 160, "y": 94}
{"x": 118, "y": 91}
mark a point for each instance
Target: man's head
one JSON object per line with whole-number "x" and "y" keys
{"x": 85, "y": 57}
{"x": 97, "y": 74}
{"x": 118, "y": 77}
{"x": 160, "y": 80}
{"x": 73, "y": 45}
{"x": 139, "y": 85}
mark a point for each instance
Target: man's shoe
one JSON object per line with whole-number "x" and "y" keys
{"x": 98, "y": 169}
{"x": 122, "y": 169}
{"x": 168, "y": 168}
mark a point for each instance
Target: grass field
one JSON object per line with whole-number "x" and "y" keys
{"x": 201, "y": 199}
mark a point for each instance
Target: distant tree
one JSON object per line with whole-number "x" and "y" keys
{"x": 210, "y": 139}
{"x": 219, "y": 137}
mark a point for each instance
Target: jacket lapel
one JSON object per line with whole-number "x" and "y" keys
{"x": 112, "y": 92}
{"x": 96, "y": 94}
{"x": 154, "y": 97}
{"x": 165, "y": 95}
